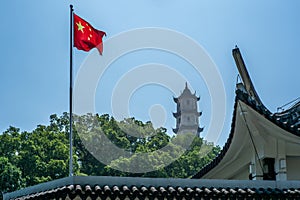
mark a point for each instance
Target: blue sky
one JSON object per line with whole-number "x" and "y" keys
{"x": 35, "y": 53}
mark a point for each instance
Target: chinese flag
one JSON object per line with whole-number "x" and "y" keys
{"x": 85, "y": 36}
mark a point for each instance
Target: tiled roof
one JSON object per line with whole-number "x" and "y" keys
{"x": 291, "y": 116}
{"x": 133, "y": 192}
{"x": 98, "y": 187}
{"x": 261, "y": 109}
{"x": 277, "y": 118}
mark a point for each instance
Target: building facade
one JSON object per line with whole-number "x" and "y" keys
{"x": 261, "y": 145}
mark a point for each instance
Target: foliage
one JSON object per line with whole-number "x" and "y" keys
{"x": 10, "y": 176}
{"x": 29, "y": 158}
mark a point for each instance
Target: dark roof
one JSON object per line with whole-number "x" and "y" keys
{"x": 291, "y": 116}
{"x": 186, "y": 92}
{"x": 105, "y": 191}
{"x": 262, "y": 110}
{"x": 126, "y": 187}
{"x": 277, "y": 118}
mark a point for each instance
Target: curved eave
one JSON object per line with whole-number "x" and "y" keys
{"x": 177, "y": 114}
{"x": 261, "y": 110}
{"x": 175, "y": 130}
{"x": 222, "y": 153}
{"x": 175, "y": 99}
{"x": 199, "y": 130}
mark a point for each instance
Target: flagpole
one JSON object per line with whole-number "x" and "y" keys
{"x": 71, "y": 94}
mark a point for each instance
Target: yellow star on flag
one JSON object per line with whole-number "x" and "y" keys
{"x": 80, "y": 27}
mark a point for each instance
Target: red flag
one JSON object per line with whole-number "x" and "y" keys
{"x": 87, "y": 37}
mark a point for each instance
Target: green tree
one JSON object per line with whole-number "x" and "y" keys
{"x": 29, "y": 158}
{"x": 37, "y": 156}
{"x": 44, "y": 155}
{"x": 10, "y": 176}
{"x": 10, "y": 144}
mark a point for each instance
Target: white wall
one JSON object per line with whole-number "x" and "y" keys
{"x": 293, "y": 167}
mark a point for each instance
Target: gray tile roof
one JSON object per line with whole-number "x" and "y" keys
{"x": 157, "y": 188}
{"x": 143, "y": 192}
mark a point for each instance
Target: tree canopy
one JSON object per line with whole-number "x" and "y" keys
{"x": 29, "y": 158}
